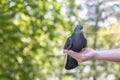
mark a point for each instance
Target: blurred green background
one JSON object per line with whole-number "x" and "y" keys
{"x": 33, "y": 33}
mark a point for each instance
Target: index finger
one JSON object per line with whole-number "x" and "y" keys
{"x": 72, "y": 53}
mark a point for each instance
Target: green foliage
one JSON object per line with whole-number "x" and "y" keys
{"x": 31, "y": 39}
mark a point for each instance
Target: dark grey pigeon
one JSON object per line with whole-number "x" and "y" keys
{"x": 75, "y": 42}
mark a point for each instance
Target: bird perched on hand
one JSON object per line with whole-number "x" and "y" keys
{"x": 75, "y": 42}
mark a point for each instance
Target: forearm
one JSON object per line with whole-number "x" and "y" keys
{"x": 109, "y": 55}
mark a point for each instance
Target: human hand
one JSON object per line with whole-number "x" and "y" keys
{"x": 84, "y": 55}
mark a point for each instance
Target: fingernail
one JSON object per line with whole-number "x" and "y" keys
{"x": 64, "y": 51}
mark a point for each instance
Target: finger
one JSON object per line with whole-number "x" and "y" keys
{"x": 76, "y": 55}
{"x": 72, "y": 53}
{"x": 84, "y": 51}
{"x": 65, "y": 51}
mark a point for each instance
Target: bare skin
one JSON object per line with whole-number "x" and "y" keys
{"x": 91, "y": 54}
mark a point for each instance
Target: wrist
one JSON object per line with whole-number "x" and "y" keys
{"x": 96, "y": 54}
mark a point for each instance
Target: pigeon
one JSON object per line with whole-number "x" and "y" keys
{"x": 75, "y": 42}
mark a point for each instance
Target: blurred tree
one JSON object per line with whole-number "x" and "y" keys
{"x": 31, "y": 38}
{"x": 100, "y": 15}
